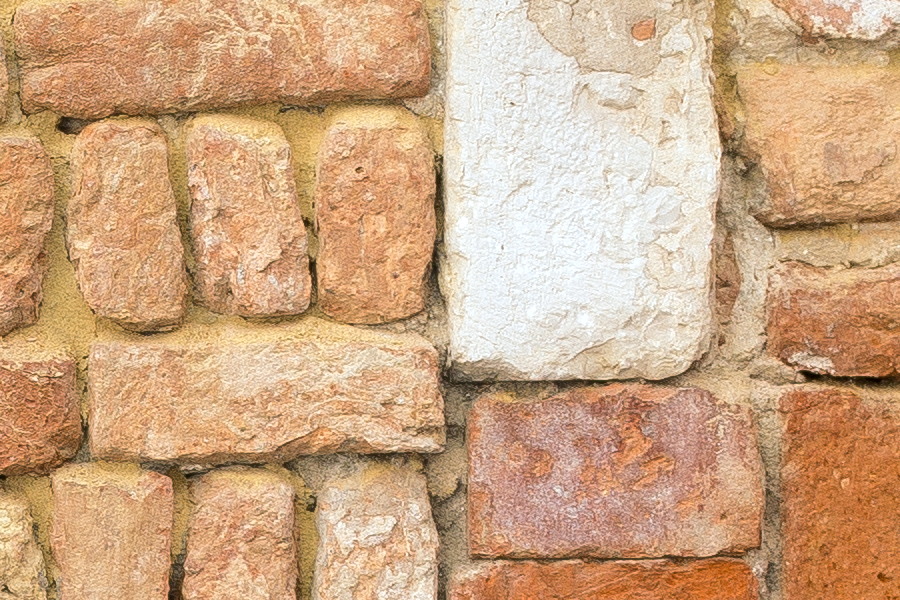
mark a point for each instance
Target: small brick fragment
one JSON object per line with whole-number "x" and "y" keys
{"x": 26, "y": 215}
{"x": 854, "y": 19}
{"x": 112, "y": 529}
{"x": 377, "y": 538}
{"x": 375, "y": 193}
{"x": 627, "y": 471}
{"x": 241, "y": 537}
{"x": 22, "y": 574}
{"x": 841, "y": 506}
{"x": 40, "y": 422}
{"x": 122, "y": 234}
{"x": 712, "y": 579}
{"x": 836, "y": 322}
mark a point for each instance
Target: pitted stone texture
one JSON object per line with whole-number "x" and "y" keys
{"x": 377, "y": 538}
{"x": 22, "y": 574}
{"x": 26, "y": 215}
{"x": 247, "y": 230}
{"x": 824, "y": 140}
{"x": 855, "y": 19}
{"x": 612, "y": 472}
{"x": 112, "y": 527}
{"x": 714, "y": 579}
{"x": 270, "y": 395}
{"x": 241, "y": 537}
{"x": 4, "y": 86}
{"x": 841, "y": 509}
{"x": 93, "y": 58}
{"x": 122, "y": 229}
{"x": 839, "y": 322}
{"x": 40, "y": 422}
{"x": 375, "y": 214}
{"x": 579, "y": 202}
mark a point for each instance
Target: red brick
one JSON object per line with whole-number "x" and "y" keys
{"x": 40, "y": 422}
{"x": 626, "y": 471}
{"x": 713, "y": 579}
{"x": 248, "y": 234}
{"x": 841, "y": 505}
{"x": 93, "y": 58}
{"x": 375, "y": 214}
{"x": 122, "y": 227}
{"x": 836, "y": 322}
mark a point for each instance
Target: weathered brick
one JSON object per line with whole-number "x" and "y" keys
{"x": 619, "y": 471}
{"x": 841, "y": 506}
{"x": 112, "y": 528}
{"x": 247, "y": 230}
{"x": 240, "y": 542}
{"x": 40, "y": 422}
{"x": 855, "y": 19}
{"x": 375, "y": 214}
{"x": 248, "y": 395}
{"x": 839, "y": 322}
{"x": 26, "y": 214}
{"x": 92, "y": 58}
{"x": 823, "y": 140}
{"x": 4, "y": 86}
{"x": 22, "y": 574}
{"x": 377, "y": 538}
{"x": 713, "y": 579}
{"x": 122, "y": 228}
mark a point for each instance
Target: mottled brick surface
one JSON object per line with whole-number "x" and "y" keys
{"x": 22, "y": 575}
{"x": 855, "y": 19}
{"x": 4, "y": 86}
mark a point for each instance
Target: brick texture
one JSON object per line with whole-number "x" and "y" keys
{"x": 855, "y": 19}
{"x": 22, "y": 573}
{"x": 4, "y": 86}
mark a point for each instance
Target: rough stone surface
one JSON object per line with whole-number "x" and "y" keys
{"x": 4, "y": 86}
{"x": 841, "y": 322}
{"x": 122, "y": 229}
{"x": 841, "y": 509}
{"x": 241, "y": 537}
{"x": 248, "y": 234}
{"x": 580, "y": 193}
{"x": 714, "y": 579}
{"x": 625, "y": 471}
{"x": 21, "y": 562}
{"x": 376, "y": 536}
{"x": 93, "y": 58}
{"x": 112, "y": 527}
{"x": 856, "y": 19}
{"x": 40, "y": 422}
{"x": 375, "y": 214}
{"x": 824, "y": 140}
{"x": 26, "y": 215}
{"x": 267, "y": 398}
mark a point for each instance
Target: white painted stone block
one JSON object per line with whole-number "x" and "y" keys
{"x": 582, "y": 168}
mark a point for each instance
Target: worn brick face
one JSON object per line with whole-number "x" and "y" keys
{"x": 618, "y": 471}
{"x": 22, "y": 574}
{"x": 4, "y": 86}
{"x": 836, "y": 322}
{"x": 247, "y": 231}
{"x": 841, "y": 505}
{"x": 855, "y": 19}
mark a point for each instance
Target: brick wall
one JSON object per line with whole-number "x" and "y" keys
{"x": 475, "y": 300}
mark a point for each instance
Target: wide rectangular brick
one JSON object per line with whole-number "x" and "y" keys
{"x": 841, "y": 322}
{"x": 112, "y": 529}
{"x": 627, "y": 471}
{"x": 713, "y": 579}
{"x": 855, "y": 19}
{"x": 249, "y": 395}
{"x": 841, "y": 508}
{"x": 247, "y": 231}
{"x": 26, "y": 215}
{"x": 93, "y": 58}
{"x": 240, "y": 541}
{"x": 122, "y": 227}
{"x": 375, "y": 190}
{"x": 22, "y": 574}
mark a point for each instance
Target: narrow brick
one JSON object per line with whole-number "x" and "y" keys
{"x": 839, "y": 322}
{"x": 241, "y": 537}
{"x": 22, "y": 575}
{"x": 375, "y": 189}
{"x": 122, "y": 233}
{"x": 112, "y": 528}
{"x": 26, "y": 215}
{"x": 247, "y": 231}
{"x": 249, "y": 395}
{"x": 854, "y": 19}
{"x": 377, "y": 538}
{"x": 713, "y": 579}
{"x": 626, "y": 471}
{"x": 40, "y": 421}
{"x": 4, "y": 86}
{"x": 91, "y": 58}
